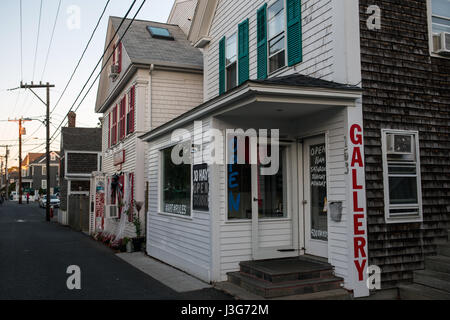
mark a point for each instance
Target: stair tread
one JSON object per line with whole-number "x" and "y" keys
{"x": 419, "y": 291}
{"x": 286, "y": 266}
{"x": 270, "y": 285}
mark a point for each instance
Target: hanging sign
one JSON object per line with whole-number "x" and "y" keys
{"x": 119, "y": 157}
{"x": 200, "y": 193}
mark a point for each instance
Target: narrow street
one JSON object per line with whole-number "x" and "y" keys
{"x": 34, "y": 256}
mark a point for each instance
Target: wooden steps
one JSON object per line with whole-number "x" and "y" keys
{"x": 287, "y": 278}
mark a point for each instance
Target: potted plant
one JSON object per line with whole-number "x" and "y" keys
{"x": 139, "y": 240}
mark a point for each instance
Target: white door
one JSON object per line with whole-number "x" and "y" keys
{"x": 315, "y": 196}
{"x": 274, "y": 223}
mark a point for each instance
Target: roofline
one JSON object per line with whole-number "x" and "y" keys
{"x": 151, "y": 21}
{"x": 248, "y": 90}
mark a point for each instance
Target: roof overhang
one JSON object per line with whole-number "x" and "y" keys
{"x": 255, "y": 91}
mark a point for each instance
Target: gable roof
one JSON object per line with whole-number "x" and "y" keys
{"x": 42, "y": 158}
{"x": 81, "y": 139}
{"x": 31, "y": 157}
{"x": 142, "y": 48}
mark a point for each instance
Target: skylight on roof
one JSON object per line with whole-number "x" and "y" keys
{"x": 162, "y": 33}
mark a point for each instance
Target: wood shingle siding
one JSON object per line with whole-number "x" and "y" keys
{"x": 405, "y": 88}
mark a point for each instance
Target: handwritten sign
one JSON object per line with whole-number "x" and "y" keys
{"x": 200, "y": 197}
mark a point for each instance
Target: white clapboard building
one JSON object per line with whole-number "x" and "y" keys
{"x": 292, "y": 68}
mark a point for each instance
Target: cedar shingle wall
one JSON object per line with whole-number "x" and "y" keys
{"x": 405, "y": 88}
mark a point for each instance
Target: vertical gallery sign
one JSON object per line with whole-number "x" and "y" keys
{"x": 358, "y": 212}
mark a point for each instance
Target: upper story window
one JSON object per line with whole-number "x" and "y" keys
{"x": 161, "y": 33}
{"x": 116, "y": 67}
{"x": 231, "y": 61}
{"x": 439, "y": 21}
{"x": 276, "y": 36}
{"x": 440, "y": 16}
{"x": 52, "y": 157}
{"x": 44, "y": 170}
{"x": 401, "y": 172}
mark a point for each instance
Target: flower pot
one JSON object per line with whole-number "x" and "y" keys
{"x": 129, "y": 247}
{"x": 137, "y": 243}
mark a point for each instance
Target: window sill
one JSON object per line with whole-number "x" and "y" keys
{"x": 435, "y": 55}
{"x": 173, "y": 215}
{"x": 237, "y": 221}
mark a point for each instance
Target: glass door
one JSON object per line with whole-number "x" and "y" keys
{"x": 315, "y": 197}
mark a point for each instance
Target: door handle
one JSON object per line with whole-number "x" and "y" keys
{"x": 257, "y": 200}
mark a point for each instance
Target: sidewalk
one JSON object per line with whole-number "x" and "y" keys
{"x": 175, "y": 279}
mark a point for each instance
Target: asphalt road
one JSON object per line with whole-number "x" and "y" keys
{"x": 34, "y": 256}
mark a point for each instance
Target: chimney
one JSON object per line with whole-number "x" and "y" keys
{"x": 72, "y": 117}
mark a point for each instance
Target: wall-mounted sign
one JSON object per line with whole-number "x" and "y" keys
{"x": 200, "y": 194}
{"x": 119, "y": 157}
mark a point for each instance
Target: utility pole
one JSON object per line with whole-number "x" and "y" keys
{"x": 21, "y": 132}
{"x": 47, "y": 86}
{"x": 6, "y": 171}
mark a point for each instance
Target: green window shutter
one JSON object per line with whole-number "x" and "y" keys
{"x": 262, "y": 41}
{"x": 243, "y": 55}
{"x": 222, "y": 66}
{"x": 294, "y": 32}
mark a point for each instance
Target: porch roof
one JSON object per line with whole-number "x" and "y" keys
{"x": 295, "y": 86}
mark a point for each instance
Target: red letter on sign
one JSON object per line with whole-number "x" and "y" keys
{"x": 356, "y": 138}
{"x": 358, "y": 224}
{"x": 355, "y": 180}
{"x": 360, "y": 243}
{"x": 357, "y": 158}
{"x": 355, "y": 203}
{"x": 360, "y": 269}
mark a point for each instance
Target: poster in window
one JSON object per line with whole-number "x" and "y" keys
{"x": 318, "y": 185}
{"x": 200, "y": 194}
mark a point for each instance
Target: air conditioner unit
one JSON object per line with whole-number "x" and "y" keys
{"x": 112, "y": 212}
{"x": 441, "y": 44}
{"x": 114, "y": 71}
{"x": 400, "y": 144}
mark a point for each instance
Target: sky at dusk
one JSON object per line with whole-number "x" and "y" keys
{"x": 68, "y": 44}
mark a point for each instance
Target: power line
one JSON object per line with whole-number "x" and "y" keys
{"x": 51, "y": 39}
{"x": 100, "y": 60}
{"x": 37, "y": 39}
{"x": 79, "y": 61}
{"x": 21, "y": 43}
{"x": 81, "y": 58}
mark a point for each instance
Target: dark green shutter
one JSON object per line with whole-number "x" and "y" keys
{"x": 222, "y": 66}
{"x": 294, "y": 32}
{"x": 243, "y": 55}
{"x": 262, "y": 41}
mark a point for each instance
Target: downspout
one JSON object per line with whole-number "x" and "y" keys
{"x": 146, "y": 197}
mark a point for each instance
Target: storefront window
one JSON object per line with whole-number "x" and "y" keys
{"x": 272, "y": 191}
{"x": 318, "y": 187}
{"x": 176, "y": 184}
{"x": 239, "y": 183}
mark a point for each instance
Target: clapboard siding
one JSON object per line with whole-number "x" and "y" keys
{"x": 405, "y": 88}
{"x": 317, "y": 39}
{"x": 183, "y": 242}
{"x": 182, "y": 14}
{"x": 174, "y": 93}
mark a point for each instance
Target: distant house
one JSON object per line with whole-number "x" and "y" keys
{"x": 81, "y": 150}
{"x": 34, "y": 174}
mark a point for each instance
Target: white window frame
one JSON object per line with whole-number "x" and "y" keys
{"x": 44, "y": 170}
{"x": 44, "y": 184}
{"x": 430, "y": 31}
{"x": 287, "y": 184}
{"x": 387, "y": 206}
{"x": 160, "y": 184}
{"x": 270, "y": 73}
{"x": 236, "y": 35}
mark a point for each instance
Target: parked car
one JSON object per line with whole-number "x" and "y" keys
{"x": 54, "y": 201}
